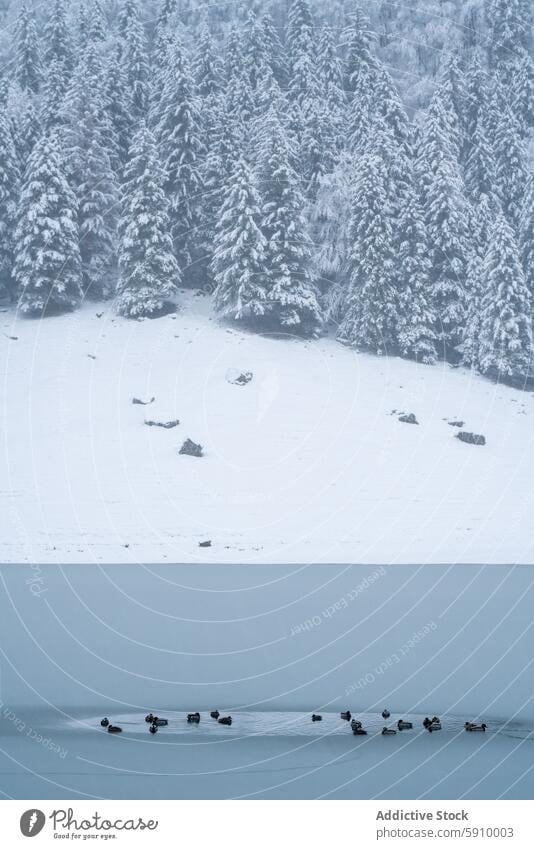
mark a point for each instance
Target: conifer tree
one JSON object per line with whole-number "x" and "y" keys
{"x": 526, "y": 236}
{"x": 179, "y": 136}
{"x": 482, "y": 219}
{"x": 207, "y": 67}
{"x": 511, "y": 166}
{"x": 416, "y": 317}
{"x": 506, "y": 329}
{"x": 148, "y": 272}
{"x": 117, "y": 105}
{"x": 238, "y": 263}
{"x": 292, "y": 297}
{"x": 47, "y": 258}
{"x": 9, "y": 197}
{"x": 274, "y": 50}
{"x": 136, "y": 60}
{"x": 524, "y": 93}
{"x": 58, "y": 39}
{"x": 28, "y": 69}
{"x": 446, "y": 222}
{"x": 371, "y": 309}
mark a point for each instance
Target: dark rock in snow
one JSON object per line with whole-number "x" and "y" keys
{"x": 191, "y": 449}
{"x": 237, "y": 377}
{"x": 206, "y": 544}
{"x": 142, "y": 403}
{"x": 410, "y": 418}
{"x": 91, "y": 356}
{"x": 166, "y": 425}
{"x": 471, "y": 438}
{"x": 456, "y": 424}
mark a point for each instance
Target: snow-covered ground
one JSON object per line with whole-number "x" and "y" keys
{"x": 307, "y": 463}
{"x": 268, "y": 644}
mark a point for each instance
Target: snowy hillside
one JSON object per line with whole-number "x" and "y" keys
{"x": 306, "y": 463}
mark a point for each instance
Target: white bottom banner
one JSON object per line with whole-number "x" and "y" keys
{"x": 248, "y": 824}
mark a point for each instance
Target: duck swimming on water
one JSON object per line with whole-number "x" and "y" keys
{"x": 215, "y": 714}
{"x": 386, "y": 714}
{"x": 346, "y": 714}
{"x": 104, "y": 722}
{"x": 114, "y": 729}
{"x": 149, "y": 717}
{"x": 404, "y": 726}
{"x": 193, "y": 718}
{"x": 153, "y": 728}
{"x": 316, "y": 717}
{"x": 225, "y": 720}
{"x": 470, "y": 726}
{"x": 388, "y": 731}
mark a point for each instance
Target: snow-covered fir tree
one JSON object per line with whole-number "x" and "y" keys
{"x": 179, "y": 136}
{"x": 148, "y": 271}
{"x": 28, "y": 68}
{"x": 447, "y": 226}
{"x": 47, "y": 267}
{"x": 9, "y": 196}
{"x": 238, "y": 262}
{"x": 505, "y": 348}
{"x": 526, "y": 237}
{"x": 371, "y": 310}
{"x": 292, "y": 302}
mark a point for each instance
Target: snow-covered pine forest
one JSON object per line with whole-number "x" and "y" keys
{"x": 311, "y": 165}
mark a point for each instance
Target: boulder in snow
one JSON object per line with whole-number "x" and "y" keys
{"x": 191, "y": 449}
{"x": 456, "y": 424}
{"x": 205, "y": 544}
{"x": 166, "y": 425}
{"x": 409, "y": 418}
{"x": 238, "y": 377}
{"x": 471, "y": 438}
{"x": 143, "y": 403}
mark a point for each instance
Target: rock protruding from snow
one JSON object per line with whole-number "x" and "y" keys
{"x": 237, "y": 377}
{"x": 191, "y": 449}
{"x": 166, "y": 425}
{"x": 409, "y": 418}
{"x": 471, "y": 438}
{"x": 205, "y": 544}
{"x": 456, "y": 423}
{"x": 143, "y": 403}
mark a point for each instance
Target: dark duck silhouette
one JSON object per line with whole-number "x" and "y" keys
{"x": 193, "y": 718}
{"x": 471, "y": 726}
{"x": 346, "y": 714}
{"x": 153, "y": 728}
{"x": 404, "y": 726}
{"x": 386, "y": 714}
{"x": 388, "y": 731}
{"x": 316, "y": 717}
{"x": 104, "y": 722}
{"x": 225, "y": 720}
{"x": 114, "y": 729}
{"x": 149, "y": 718}
{"x": 215, "y": 714}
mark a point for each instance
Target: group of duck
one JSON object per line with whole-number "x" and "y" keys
{"x": 434, "y": 724}
{"x": 155, "y": 722}
{"x": 431, "y": 725}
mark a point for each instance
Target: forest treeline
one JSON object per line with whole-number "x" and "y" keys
{"x": 271, "y": 156}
